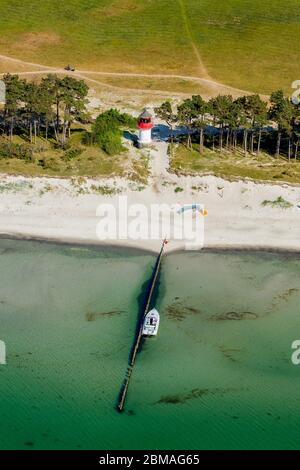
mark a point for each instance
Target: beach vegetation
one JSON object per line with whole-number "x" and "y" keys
{"x": 280, "y": 203}
{"x": 178, "y": 189}
{"x": 15, "y": 150}
{"x": 107, "y": 130}
{"x": 105, "y": 190}
{"x": 72, "y": 153}
{"x": 14, "y": 187}
{"x": 233, "y": 165}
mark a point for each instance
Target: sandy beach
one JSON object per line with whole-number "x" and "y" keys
{"x": 66, "y": 210}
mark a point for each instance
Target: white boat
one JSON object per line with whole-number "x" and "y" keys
{"x": 151, "y": 323}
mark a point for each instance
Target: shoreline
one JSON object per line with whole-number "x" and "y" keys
{"x": 142, "y": 250}
{"x": 136, "y": 249}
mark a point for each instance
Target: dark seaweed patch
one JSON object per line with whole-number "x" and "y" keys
{"x": 280, "y": 298}
{"x": 194, "y": 394}
{"x": 92, "y": 316}
{"x": 234, "y": 316}
{"x": 277, "y": 300}
{"x": 230, "y": 353}
{"x": 285, "y": 296}
{"x": 178, "y": 311}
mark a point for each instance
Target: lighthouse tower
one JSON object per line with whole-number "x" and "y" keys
{"x": 145, "y": 125}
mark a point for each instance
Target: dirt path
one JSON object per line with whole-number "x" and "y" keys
{"x": 84, "y": 74}
{"x": 215, "y": 86}
{"x": 202, "y": 69}
{"x": 23, "y": 62}
{"x": 104, "y": 84}
{"x": 159, "y": 161}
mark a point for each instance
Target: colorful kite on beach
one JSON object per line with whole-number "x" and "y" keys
{"x": 193, "y": 207}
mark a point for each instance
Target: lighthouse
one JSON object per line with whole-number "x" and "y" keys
{"x": 145, "y": 125}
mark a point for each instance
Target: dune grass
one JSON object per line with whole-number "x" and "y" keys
{"x": 90, "y": 161}
{"x": 280, "y": 203}
{"x": 249, "y": 44}
{"x": 234, "y": 165}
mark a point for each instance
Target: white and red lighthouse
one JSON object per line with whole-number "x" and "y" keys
{"x": 145, "y": 125}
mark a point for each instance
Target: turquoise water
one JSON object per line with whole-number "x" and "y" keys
{"x": 219, "y": 375}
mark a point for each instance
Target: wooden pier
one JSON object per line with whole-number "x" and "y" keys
{"x": 138, "y": 337}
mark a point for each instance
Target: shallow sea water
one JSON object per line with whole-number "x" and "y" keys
{"x": 219, "y": 374}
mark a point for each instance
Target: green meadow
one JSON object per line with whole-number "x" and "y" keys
{"x": 248, "y": 44}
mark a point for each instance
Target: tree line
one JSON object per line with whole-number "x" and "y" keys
{"x": 50, "y": 107}
{"x": 47, "y": 108}
{"x": 245, "y": 122}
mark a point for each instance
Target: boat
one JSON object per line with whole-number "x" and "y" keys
{"x": 151, "y": 323}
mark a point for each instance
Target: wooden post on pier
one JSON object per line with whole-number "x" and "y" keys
{"x": 125, "y": 386}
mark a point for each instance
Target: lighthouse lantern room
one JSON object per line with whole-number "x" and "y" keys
{"x": 145, "y": 125}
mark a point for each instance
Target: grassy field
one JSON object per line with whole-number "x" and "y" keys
{"x": 173, "y": 85}
{"x": 165, "y": 85}
{"x": 228, "y": 165}
{"x": 248, "y": 44}
{"x": 127, "y": 35}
